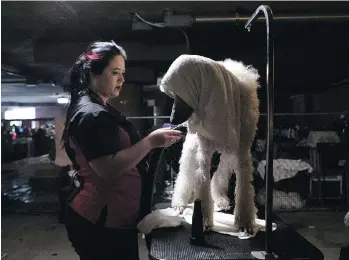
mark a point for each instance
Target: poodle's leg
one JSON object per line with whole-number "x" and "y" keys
{"x": 183, "y": 189}
{"x": 245, "y": 210}
{"x": 202, "y": 181}
{"x": 221, "y": 179}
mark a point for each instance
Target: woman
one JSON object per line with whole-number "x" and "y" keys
{"x": 108, "y": 155}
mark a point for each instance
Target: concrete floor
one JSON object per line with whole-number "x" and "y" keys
{"x": 25, "y": 237}
{"x": 325, "y": 230}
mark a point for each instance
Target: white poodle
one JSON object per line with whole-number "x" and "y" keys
{"x": 223, "y": 115}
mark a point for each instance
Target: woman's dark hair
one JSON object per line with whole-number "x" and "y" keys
{"x": 95, "y": 59}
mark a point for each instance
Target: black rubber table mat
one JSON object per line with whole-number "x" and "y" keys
{"x": 173, "y": 244}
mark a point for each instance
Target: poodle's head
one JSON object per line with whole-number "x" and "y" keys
{"x": 181, "y": 111}
{"x": 179, "y": 83}
{"x": 188, "y": 75}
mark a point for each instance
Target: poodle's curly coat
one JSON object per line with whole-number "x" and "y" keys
{"x": 214, "y": 127}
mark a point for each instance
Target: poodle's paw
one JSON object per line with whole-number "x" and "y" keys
{"x": 180, "y": 209}
{"x": 207, "y": 217}
{"x": 180, "y": 199}
{"x": 245, "y": 226}
{"x": 222, "y": 203}
{"x": 208, "y": 224}
{"x": 178, "y": 206}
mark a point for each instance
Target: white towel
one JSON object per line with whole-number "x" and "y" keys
{"x": 285, "y": 168}
{"x": 223, "y": 223}
{"x": 212, "y": 89}
{"x": 160, "y": 218}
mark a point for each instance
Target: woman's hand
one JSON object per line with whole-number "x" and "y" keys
{"x": 164, "y": 137}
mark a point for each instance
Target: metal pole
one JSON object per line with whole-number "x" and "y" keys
{"x": 270, "y": 113}
{"x": 292, "y": 18}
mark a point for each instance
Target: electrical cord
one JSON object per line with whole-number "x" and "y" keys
{"x": 163, "y": 25}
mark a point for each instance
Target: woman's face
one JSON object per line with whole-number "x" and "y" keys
{"x": 109, "y": 83}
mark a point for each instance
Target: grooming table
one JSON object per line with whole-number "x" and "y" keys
{"x": 173, "y": 244}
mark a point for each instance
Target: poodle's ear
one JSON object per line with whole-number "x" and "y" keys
{"x": 181, "y": 111}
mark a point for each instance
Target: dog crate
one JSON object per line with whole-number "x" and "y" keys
{"x": 330, "y": 187}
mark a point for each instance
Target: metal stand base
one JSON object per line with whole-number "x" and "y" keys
{"x": 263, "y": 255}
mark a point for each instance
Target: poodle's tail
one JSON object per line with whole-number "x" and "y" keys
{"x": 247, "y": 75}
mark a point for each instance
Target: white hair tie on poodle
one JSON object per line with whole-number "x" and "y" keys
{"x": 225, "y": 112}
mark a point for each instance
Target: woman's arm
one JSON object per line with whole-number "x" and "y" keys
{"x": 123, "y": 160}
{"x": 113, "y": 165}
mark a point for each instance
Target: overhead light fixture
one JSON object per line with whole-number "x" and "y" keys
{"x": 63, "y": 100}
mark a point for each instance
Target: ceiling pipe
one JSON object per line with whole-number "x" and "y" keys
{"x": 290, "y": 18}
